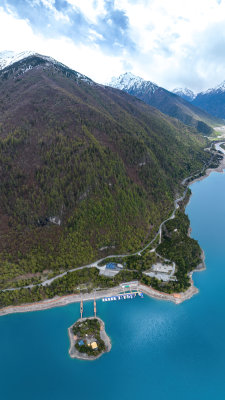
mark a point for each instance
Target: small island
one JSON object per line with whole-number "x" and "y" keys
{"x": 88, "y": 339}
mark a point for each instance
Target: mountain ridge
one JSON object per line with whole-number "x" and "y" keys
{"x": 103, "y": 163}
{"x": 167, "y": 102}
{"x": 15, "y": 59}
{"x": 211, "y": 100}
{"x": 185, "y": 93}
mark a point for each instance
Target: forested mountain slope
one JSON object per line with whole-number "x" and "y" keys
{"x": 85, "y": 170}
{"x": 167, "y": 102}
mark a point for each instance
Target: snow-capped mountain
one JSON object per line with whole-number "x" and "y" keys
{"x": 217, "y": 89}
{"x": 220, "y": 87}
{"x": 129, "y": 81}
{"x": 167, "y": 102}
{"x": 27, "y": 60}
{"x": 212, "y": 100}
{"x": 8, "y": 58}
{"x": 186, "y": 94}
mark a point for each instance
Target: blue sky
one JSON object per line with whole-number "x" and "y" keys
{"x": 175, "y": 43}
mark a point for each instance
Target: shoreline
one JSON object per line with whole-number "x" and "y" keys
{"x": 74, "y": 353}
{"x": 62, "y": 301}
{"x": 176, "y": 298}
{"x": 208, "y": 171}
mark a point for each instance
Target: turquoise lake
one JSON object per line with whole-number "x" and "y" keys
{"x": 158, "y": 348}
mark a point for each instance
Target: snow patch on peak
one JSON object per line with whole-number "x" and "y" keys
{"x": 221, "y": 86}
{"x": 218, "y": 88}
{"x": 126, "y": 81}
{"x": 185, "y": 93}
{"x": 130, "y": 81}
{"x": 8, "y": 58}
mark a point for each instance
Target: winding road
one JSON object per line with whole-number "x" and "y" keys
{"x": 48, "y": 282}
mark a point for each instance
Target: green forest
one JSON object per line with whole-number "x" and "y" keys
{"x": 85, "y": 171}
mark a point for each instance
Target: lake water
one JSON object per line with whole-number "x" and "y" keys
{"x": 158, "y": 348}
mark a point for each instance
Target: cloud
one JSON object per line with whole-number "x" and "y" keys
{"x": 75, "y": 20}
{"x": 114, "y": 27}
{"x": 90, "y": 60}
{"x": 172, "y": 43}
{"x": 46, "y": 19}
